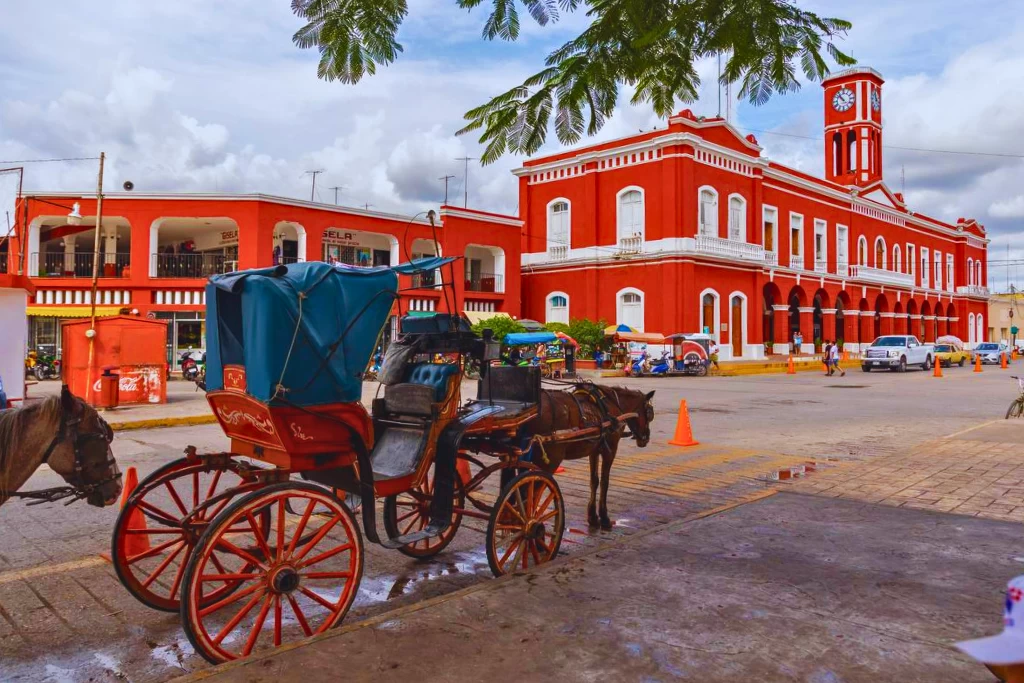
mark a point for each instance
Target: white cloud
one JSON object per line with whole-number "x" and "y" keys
{"x": 1009, "y": 208}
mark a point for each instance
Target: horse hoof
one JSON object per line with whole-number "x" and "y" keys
{"x": 606, "y": 524}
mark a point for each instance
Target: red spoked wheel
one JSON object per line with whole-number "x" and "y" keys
{"x": 150, "y": 561}
{"x": 296, "y": 580}
{"x": 409, "y": 512}
{"x": 526, "y": 524}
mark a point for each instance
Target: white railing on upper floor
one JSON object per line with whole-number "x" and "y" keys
{"x": 973, "y": 290}
{"x": 558, "y": 253}
{"x": 820, "y": 266}
{"x": 796, "y": 261}
{"x": 880, "y": 276}
{"x": 717, "y": 246}
{"x": 771, "y": 258}
{"x": 631, "y": 245}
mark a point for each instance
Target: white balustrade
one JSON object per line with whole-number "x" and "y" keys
{"x": 558, "y": 253}
{"x": 973, "y": 290}
{"x": 717, "y": 246}
{"x": 880, "y": 276}
{"x": 631, "y": 245}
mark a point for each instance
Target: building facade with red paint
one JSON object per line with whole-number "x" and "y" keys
{"x": 157, "y": 252}
{"x": 690, "y": 228}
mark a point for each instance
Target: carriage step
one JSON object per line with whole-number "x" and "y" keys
{"x": 431, "y": 531}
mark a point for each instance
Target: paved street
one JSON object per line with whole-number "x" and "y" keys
{"x": 895, "y": 439}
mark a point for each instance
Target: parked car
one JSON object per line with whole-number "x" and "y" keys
{"x": 950, "y": 350}
{"x": 990, "y": 352}
{"x": 897, "y": 352}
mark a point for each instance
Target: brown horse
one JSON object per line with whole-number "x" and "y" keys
{"x": 587, "y": 406}
{"x": 66, "y": 434}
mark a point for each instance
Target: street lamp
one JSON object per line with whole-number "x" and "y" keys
{"x": 75, "y": 217}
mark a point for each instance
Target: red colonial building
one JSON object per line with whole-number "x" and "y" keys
{"x": 689, "y": 228}
{"x": 158, "y": 250}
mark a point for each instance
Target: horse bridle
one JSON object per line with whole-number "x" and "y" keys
{"x": 78, "y": 488}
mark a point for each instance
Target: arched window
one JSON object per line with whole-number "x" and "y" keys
{"x": 709, "y": 312}
{"x": 862, "y": 251}
{"x": 979, "y": 335}
{"x": 851, "y": 145}
{"x": 631, "y": 213}
{"x": 970, "y": 271}
{"x": 558, "y": 227}
{"x": 557, "y": 308}
{"x": 977, "y": 274}
{"x": 737, "y": 218}
{"x": 897, "y": 259}
{"x": 707, "y": 220}
{"x": 970, "y": 331}
{"x": 630, "y": 308}
{"x": 880, "y": 253}
{"x": 837, "y": 153}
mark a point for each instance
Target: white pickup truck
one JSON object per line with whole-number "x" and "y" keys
{"x": 896, "y": 352}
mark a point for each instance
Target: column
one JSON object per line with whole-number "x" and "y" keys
{"x": 807, "y": 328}
{"x": 781, "y": 339}
{"x": 929, "y": 328}
{"x": 851, "y": 335}
{"x": 914, "y": 325}
{"x": 887, "y": 322}
{"x": 69, "y": 254}
{"x": 867, "y": 327}
{"x": 828, "y": 324}
{"x": 109, "y": 243}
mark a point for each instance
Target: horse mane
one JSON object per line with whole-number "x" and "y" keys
{"x": 13, "y": 426}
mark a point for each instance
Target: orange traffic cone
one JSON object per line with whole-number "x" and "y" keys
{"x": 1002, "y": 361}
{"x": 846, "y": 356}
{"x": 938, "y": 368}
{"x": 791, "y": 368}
{"x": 977, "y": 362}
{"x": 1013, "y": 354}
{"x": 684, "y": 433}
{"x": 135, "y": 544}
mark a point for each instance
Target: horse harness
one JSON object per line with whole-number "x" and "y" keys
{"x": 78, "y": 488}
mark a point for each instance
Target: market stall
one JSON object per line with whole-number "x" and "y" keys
{"x": 628, "y": 343}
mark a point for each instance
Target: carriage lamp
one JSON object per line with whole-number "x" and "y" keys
{"x": 75, "y": 217}
{"x": 90, "y": 333}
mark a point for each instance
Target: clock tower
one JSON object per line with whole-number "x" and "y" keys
{"x": 853, "y": 127}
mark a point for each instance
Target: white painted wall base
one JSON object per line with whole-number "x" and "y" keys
{"x": 13, "y": 341}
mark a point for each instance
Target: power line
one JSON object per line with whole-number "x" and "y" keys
{"x": 906, "y": 149}
{"x": 46, "y": 161}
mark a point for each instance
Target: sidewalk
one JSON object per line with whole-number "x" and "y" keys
{"x": 706, "y": 599}
{"x": 185, "y": 406}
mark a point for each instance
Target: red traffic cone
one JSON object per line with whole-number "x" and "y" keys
{"x": 684, "y": 433}
{"x": 791, "y": 368}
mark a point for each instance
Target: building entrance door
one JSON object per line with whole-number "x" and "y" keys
{"x": 736, "y": 326}
{"x": 188, "y": 335}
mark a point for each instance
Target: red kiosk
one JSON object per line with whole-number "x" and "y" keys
{"x": 132, "y": 349}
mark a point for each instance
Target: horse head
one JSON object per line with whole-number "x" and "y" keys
{"x": 639, "y": 404}
{"x": 80, "y": 451}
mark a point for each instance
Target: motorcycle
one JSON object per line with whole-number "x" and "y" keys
{"x": 200, "y": 379}
{"x": 189, "y": 366}
{"x": 636, "y": 367}
{"x": 41, "y": 365}
{"x": 662, "y": 365}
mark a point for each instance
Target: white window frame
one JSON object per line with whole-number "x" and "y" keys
{"x": 970, "y": 271}
{"x": 842, "y": 250}
{"x": 972, "y": 331}
{"x": 796, "y": 220}
{"x": 820, "y": 228}
{"x": 978, "y": 274}
{"x": 897, "y": 259}
{"x": 862, "y": 254}
{"x": 716, "y": 323}
{"x": 710, "y": 230}
{"x": 619, "y": 305}
{"x": 926, "y": 266}
{"x": 740, "y": 230}
{"x": 911, "y": 259}
{"x": 568, "y": 224}
{"x": 949, "y": 273}
{"x": 743, "y": 332}
{"x": 618, "y": 213}
{"x": 549, "y": 308}
{"x": 767, "y": 210}
{"x": 937, "y": 261}
{"x": 885, "y": 253}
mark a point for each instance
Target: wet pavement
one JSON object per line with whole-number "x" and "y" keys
{"x": 65, "y": 617}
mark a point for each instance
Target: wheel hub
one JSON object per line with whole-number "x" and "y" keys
{"x": 535, "y": 531}
{"x": 284, "y": 580}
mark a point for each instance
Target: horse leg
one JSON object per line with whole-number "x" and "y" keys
{"x": 592, "y": 518}
{"x": 607, "y": 458}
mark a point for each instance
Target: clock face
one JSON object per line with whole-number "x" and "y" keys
{"x": 843, "y": 99}
{"x": 876, "y": 100}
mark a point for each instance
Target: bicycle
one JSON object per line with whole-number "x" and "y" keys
{"x": 1016, "y": 408}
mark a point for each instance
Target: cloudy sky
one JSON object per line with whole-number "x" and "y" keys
{"x": 201, "y": 96}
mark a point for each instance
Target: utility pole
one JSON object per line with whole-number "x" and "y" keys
{"x": 336, "y": 188}
{"x": 91, "y": 332}
{"x": 465, "y": 180}
{"x": 312, "y": 191}
{"x": 446, "y": 179}
{"x": 366, "y": 207}
{"x": 903, "y": 181}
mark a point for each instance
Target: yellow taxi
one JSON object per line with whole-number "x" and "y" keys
{"x": 950, "y": 350}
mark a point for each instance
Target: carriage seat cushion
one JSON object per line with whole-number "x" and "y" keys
{"x": 433, "y": 375}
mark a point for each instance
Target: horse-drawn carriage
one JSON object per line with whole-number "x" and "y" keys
{"x": 260, "y": 546}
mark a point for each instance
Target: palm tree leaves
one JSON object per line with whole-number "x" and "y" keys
{"x": 651, "y": 45}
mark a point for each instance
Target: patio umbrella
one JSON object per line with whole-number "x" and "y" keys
{"x": 531, "y": 325}
{"x": 612, "y": 329}
{"x": 566, "y": 338}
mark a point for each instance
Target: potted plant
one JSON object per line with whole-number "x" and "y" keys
{"x": 768, "y": 347}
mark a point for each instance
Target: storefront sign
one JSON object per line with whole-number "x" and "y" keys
{"x": 341, "y": 238}
{"x": 215, "y": 239}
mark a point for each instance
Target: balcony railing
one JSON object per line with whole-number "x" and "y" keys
{"x": 485, "y": 282}
{"x": 77, "y": 264}
{"x": 771, "y": 258}
{"x": 426, "y": 280}
{"x": 796, "y": 261}
{"x": 973, "y": 290}
{"x": 820, "y": 266}
{"x": 631, "y": 245}
{"x": 883, "y": 277}
{"x": 717, "y": 246}
{"x": 559, "y": 253}
{"x": 285, "y": 260}
{"x": 192, "y": 265}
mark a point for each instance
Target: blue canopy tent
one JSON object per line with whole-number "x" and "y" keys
{"x": 518, "y": 338}
{"x": 310, "y": 327}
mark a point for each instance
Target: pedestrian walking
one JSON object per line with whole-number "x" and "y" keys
{"x": 826, "y": 357}
{"x": 713, "y": 355}
{"x": 834, "y": 358}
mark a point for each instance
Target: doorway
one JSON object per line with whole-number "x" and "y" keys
{"x": 188, "y": 334}
{"x": 736, "y": 326}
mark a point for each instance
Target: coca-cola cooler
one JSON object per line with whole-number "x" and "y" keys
{"x": 132, "y": 348}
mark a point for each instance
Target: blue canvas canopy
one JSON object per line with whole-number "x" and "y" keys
{"x": 423, "y": 265}
{"x": 515, "y": 338}
{"x": 252, "y": 317}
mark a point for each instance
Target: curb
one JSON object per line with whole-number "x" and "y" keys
{"x": 158, "y": 422}
{"x": 491, "y": 584}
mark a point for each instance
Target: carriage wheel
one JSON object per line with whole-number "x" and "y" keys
{"x": 297, "y": 579}
{"x": 409, "y": 512}
{"x": 526, "y": 524}
{"x": 163, "y": 500}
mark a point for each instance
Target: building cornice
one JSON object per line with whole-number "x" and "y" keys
{"x": 481, "y": 216}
